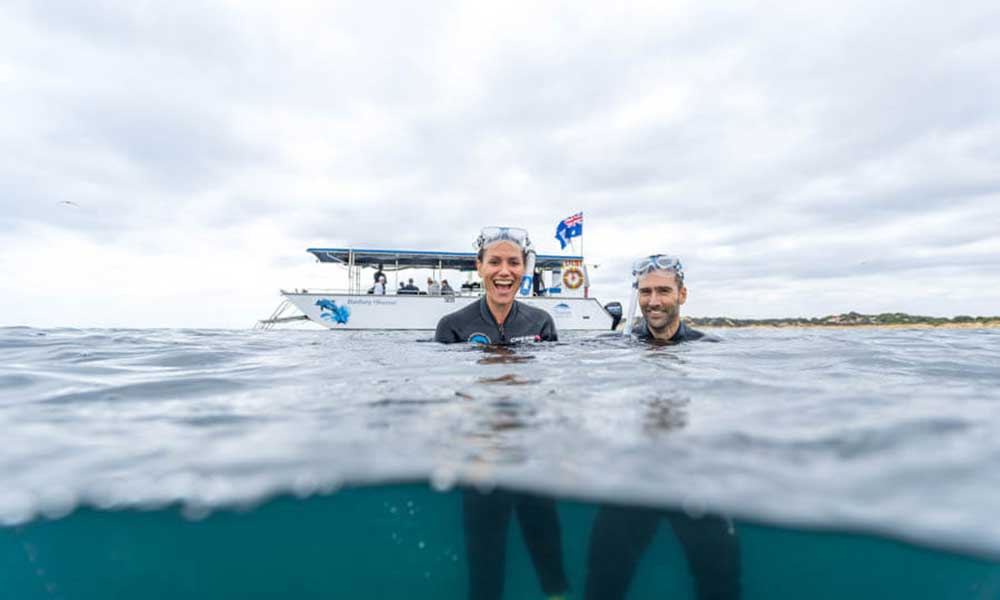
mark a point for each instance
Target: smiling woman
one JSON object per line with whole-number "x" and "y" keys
{"x": 503, "y": 260}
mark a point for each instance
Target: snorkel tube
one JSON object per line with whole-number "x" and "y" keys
{"x": 632, "y": 302}
{"x": 527, "y": 281}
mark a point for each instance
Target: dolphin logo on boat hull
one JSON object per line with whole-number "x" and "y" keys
{"x": 337, "y": 314}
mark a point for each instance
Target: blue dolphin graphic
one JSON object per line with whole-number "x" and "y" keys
{"x": 338, "y": 314}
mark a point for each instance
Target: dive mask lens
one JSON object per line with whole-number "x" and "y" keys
{"x": 489, "y": 235}
{"x": 641, "y": 266}
{"x": 657, "y": 262}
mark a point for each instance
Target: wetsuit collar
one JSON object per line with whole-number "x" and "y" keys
{"x": 679, "y": 336}
{"x": 484, "y": 310}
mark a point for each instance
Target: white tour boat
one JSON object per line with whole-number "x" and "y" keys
{"x": 565, "y": 296}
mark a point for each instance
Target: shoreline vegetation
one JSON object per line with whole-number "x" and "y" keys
{"x": 851, "y": 319}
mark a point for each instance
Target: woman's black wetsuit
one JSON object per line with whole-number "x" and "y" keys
{"x": 486, "y": 517}
{"x": 475, "y": 323}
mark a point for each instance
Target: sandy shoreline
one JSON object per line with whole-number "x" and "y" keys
{"x": 984, "y": 325}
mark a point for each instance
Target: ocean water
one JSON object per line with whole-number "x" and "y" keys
{"x": 319, "y": 464}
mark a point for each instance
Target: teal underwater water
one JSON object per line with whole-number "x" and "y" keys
{"x": 221, "y": 464}
{"x": 406, "y": 541}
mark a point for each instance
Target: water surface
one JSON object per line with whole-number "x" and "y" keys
{"x": 890, "y": 433}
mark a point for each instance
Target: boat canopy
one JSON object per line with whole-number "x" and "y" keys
{"x": 416, "y": 259}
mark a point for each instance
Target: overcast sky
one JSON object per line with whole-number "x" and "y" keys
{"x": 167, "y": 164}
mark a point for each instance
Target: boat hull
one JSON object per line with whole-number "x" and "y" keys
{"x": 352, "y": 312}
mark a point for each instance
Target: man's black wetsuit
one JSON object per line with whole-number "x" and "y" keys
{"x": 621, "y": 534}
{"x": 486, "y": 517}
{"x": 683, "y": 333}
{"x": 475, "y": 323}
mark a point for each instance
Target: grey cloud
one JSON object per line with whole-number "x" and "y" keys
{"x": 181, "y": 150}
{"x": 840, "y": 260}
{"x": 200, "y": 31}
{"x": 854, "y": 114}
{"x": 795, "y": 125}
{"x": 397, "y": 224}
{"x": 118, "y": 159}
{"x": 111, "y": 121}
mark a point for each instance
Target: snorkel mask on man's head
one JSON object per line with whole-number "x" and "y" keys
{"x": 658, "y": 262}
{"x": 489, "y": 236}
{"x": 648, "y": 264}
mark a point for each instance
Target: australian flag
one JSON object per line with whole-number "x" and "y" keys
{"x": 570, "y": 227}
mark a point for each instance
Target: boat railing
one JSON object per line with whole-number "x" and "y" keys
{"x": 464, "y": 293}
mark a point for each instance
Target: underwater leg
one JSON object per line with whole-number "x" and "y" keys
{"x": 618, "y": 539}
{"x": 486, "y": 518}
{"x": 543, "y": 536}
{"x": 713, "y": 553}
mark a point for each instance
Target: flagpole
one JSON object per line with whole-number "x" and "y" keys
{"x": 581, "y": 236}
{"x": 586, "y": 287}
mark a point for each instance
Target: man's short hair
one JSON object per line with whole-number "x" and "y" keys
{"x": 678, "y": 276}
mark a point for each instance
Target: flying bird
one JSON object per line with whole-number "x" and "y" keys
{"x": 69, "y": 203}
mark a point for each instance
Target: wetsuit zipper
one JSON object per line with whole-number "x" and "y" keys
{"x": 503, "y": 334}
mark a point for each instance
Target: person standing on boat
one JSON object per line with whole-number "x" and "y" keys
{"x": 621, "y": 534}
{"x": 498, "y": 318}
{"x": 379, "y": 273}
{"x": 539, "y": 283}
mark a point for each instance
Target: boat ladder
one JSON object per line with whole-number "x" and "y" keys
{"x": 276, "y": 317}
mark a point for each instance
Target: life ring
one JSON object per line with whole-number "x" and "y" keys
{"x": 573, "y": 277}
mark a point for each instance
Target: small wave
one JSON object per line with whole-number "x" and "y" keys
{"x": 150, "y": 390}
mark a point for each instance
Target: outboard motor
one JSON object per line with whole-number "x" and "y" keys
{"x": 615, "y": 310}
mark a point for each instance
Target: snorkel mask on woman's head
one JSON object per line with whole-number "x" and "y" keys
{"x": 491, "y": 235}
{"x": 648, "y": 264}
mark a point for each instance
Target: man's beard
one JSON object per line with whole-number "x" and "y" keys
{"x": 671, "y": 315}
